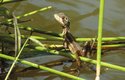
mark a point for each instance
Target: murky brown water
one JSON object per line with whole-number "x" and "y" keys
{"x": 84, "y": 21}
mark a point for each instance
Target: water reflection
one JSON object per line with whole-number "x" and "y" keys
{"x": 114, "y": 17}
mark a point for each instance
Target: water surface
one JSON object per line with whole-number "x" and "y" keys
{"x": 83, "y": 16}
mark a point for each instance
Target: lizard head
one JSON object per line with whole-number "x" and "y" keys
{"x": 62, "y": 19}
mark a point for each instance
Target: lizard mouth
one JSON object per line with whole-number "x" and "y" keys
{"x": 59, "y": 18}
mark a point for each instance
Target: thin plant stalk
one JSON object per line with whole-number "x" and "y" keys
{"x": 99, "y": 44}
{"x": 17, "y": 35}
{"x": 17, "y": 44}
{"x": 16, "y": 59}
{"x": 104, "y": 47}
{"x": 43, "y": 48}
{"x": 37, "y": 42}
{"x": 31, "y": 13}
{"x": 6, "y": 1}
{"x": 55, "y": 52}
{"x": 9, "y": 39}
{"x": 51, "y": 38}
{"x": 42, "y": 67}
{"x": 109, "y": 65}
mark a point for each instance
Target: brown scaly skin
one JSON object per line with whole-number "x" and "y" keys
{"x": 70, "y": 41}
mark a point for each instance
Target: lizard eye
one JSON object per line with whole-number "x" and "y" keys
{"x": 66, "y": 19}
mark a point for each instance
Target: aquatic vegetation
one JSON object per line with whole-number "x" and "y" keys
{"x": 68, "y": 43}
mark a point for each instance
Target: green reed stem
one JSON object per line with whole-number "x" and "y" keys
{"x": 42, "y": 67}
{"x": 28, "y": 28}
{"x": 82, "y": 58}
{"x": 17, "y": 35}
{"x": 114, "y": 45}
{"x": 99, "y": 44}
{"x": 103, "y": 39}
{"x": 31, "y": 13}
{"x": 15, "y": 60}
{"x": 8, "y": 1}
{"x": 42, "y": 48}
{"x": 51, "y": 38}
{"x": 17, "y": 44}
{"x": 9, "y": 39}
{"x": 6, "y": 37}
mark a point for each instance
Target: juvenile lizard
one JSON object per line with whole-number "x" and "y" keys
{"x": 69, "y": 41}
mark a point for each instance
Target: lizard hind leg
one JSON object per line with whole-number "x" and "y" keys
{"x": 78, "y": 61}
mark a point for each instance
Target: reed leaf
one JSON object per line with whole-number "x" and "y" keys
{"x": 36, "y": 41}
